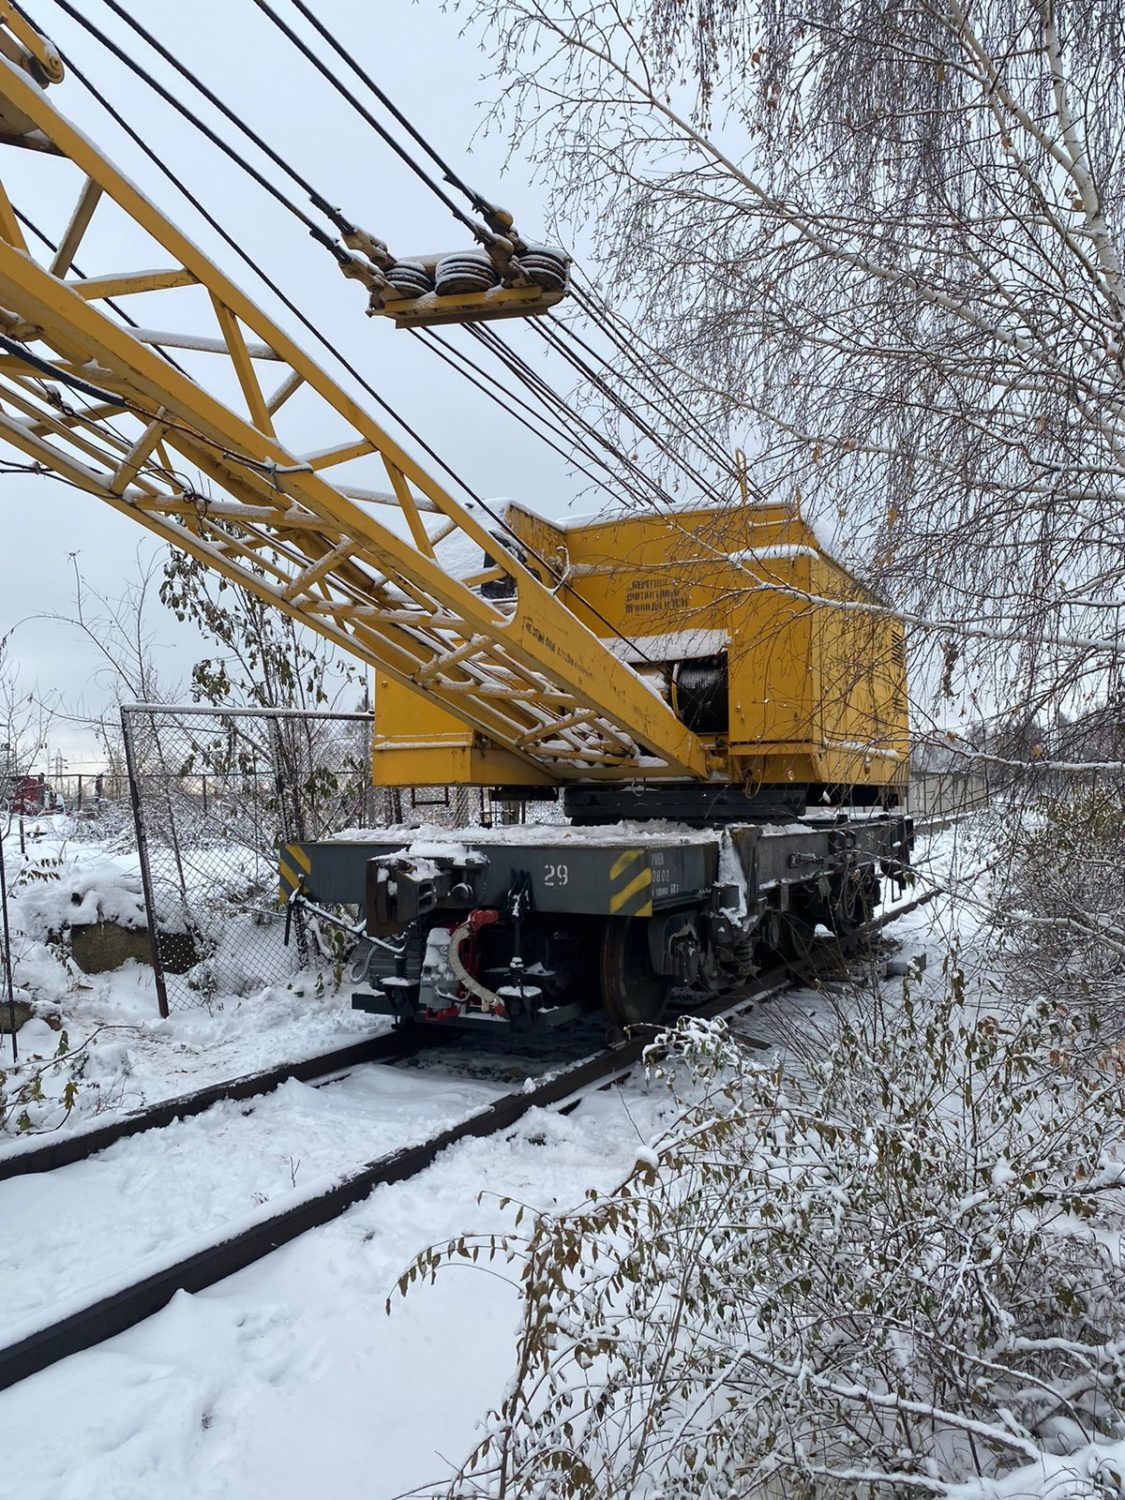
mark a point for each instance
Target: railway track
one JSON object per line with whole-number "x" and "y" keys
{"x": 242, "y": 1244}
{"x": 80, "y": 1145}
{"x": 35, "y": 1156}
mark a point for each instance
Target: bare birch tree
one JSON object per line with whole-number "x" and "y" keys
{"x": 880, "y": 245}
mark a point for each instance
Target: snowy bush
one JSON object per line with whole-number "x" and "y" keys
{"x": 890, "y": 1269}
{"x": 1059, "y": 898}
{"x": 39, "y": 1094}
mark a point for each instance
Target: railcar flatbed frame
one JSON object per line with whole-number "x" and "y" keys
{"x": 698, "y": 895}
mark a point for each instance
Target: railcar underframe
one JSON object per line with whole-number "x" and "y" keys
{"x": 538, "y": 924}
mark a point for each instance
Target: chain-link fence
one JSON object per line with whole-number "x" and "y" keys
{"x": 215, "y": 793}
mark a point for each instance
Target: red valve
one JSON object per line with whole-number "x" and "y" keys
{"x": 484, "y": 916}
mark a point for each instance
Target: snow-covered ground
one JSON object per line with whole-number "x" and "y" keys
{"x": 290, "y": 1379}
{"x": 77, "y": 1233}
{"x": 123, "y": 1055}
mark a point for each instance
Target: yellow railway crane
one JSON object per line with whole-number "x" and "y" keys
{"x": 566, "y": 659}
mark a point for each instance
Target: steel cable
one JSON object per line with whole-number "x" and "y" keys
{"x": 707, "y": 444}
{"x": 285, "y": 301}
{"x": 550, "y": 336}
{"x": 449, "y": 174}
{"x": 205, "y": 129}
{"x": 479, "y": 378}
{"x": 477, "y": 230}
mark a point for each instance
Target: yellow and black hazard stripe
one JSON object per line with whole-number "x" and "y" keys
{"x": 630, "y": 885}
{"x": 293, "y": 866}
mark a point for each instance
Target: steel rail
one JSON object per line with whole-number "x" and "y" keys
{"x": 77, "y": 1145}
{"x": 120, "y": 1310}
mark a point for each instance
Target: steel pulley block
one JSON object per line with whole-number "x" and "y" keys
{"x": 410, "y": 278}
{"x": 545, "y": 266}
{"x": 465, "y": 272}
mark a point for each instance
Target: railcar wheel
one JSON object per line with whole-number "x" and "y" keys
{"x": 631, "y": 993}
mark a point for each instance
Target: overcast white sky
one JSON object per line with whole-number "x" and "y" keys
{"x": 434, "y": 74}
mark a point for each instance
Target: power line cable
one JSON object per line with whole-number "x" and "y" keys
{"x": 52, "y": 372}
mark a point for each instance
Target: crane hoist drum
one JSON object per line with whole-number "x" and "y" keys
{"x": 700, "y": 694}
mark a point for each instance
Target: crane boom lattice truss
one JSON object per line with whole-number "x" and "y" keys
{"x": 98, "y": 403}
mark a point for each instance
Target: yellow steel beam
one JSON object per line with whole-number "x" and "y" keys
{"x": 10, "y": 226}
{"x": 94, "y": 288}
{"x": 88, "y": 200}
{"x": 243, "y": 367}
{"x": 430, "y": 310}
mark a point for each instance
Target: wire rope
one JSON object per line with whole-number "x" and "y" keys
{"x": 604, "y": 318}
{"x": 560, "y": 411}
{"x": 477, "y": 230}
{"x": 451, "y": 176}
{"x": 465, "y": 366}
{"x": 285, "y": 301}
{"x": 169, "y": 98}
{"x": 640, "y": 481}
{"x": 583, "y": 370}
{"x": 708, "y": 443}
{"x": 454, "y": 180}
{"x": 550, "y": 336}
{"x": 248, "y": 260}
{"x": 474, "y": 198}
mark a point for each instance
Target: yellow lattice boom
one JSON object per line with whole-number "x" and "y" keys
{"x": 232, "y": 488}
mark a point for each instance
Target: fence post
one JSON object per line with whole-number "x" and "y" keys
{"x": 8, "y": 955}
{"x": 146, "y": 884}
